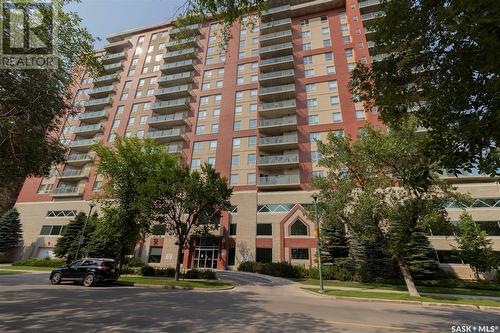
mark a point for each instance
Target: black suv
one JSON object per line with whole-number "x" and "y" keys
{"x": 88, "y": 271}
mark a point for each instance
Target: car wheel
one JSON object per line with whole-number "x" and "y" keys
{"x": 56, "y": 278}
{"x": 88, "y": 280}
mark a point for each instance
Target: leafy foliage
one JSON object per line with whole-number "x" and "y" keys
{"x": 10, "y": 230}
{"x": 107, "y": 238}
{"x": 475, "y": 249}
{"x": 440, "y": 66}
{"x": 45, "y": 262}
{"x": 67, "y": 245}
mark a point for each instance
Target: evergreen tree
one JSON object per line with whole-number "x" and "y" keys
{"x": 475, "y": 249}
{"x": 422, "y": 259}
{"x": 106, "y": 239}
{"x": 10, "y": 230}
{"x": 67, "y": 245}
{"x": 334, "y": 242}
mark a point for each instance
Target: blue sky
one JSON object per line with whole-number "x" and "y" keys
{"x": 104, "y": 17}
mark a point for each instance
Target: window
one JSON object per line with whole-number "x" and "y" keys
{"x": 310, "y": 87}
{"x": 112, "y": 137}
{"x": 155, "y": 254}
{"x": 306, "y": 46}
{"x": 309, "y": 72}
{"x": 311, "y": 103}
{"x": 301, "y": 254}
{"x": 334, "y": 100}
{"x": 255, "y": 65}
{"x": 346, "y": 39}
{"x": 145, "y": 70}
{"x": 218, "y": 98}
{"x": 232, "y": 229}
{"x": 325, "y": 31}
{"x": 305, "y": 34}
{"x": 308, "y": 60}
{"x": 235, "y": 160}
{"x": 237, "y": 125}
{"x": 213, "y": 145}
{"x": 339, "y": 133}
{"x": 204, "y": 100}
{"x": 215, "y": 128}
{"x": 200, "y": 129}
{"x": 238, "y": 109}
{"x": 135, "y": 107}
{"x": 327, "y": 43}
{"x": 253, "y": 108}
{"x": 219, "y": 84}
{"x": 252, "y": 141}
{"x": 253, "y": 78}
{"x": 131, "y": 72}
{"x": 52, "y": 230}
{"x": 360, "y": 114}
{"x": 207, "y": 74}
{"x": 239, "y": 94}
{"x": 251, "y": 159}
{"x": 150, "y": 92}
{"x": 234, "y": 179}
{"x": 211, "y": 161}
{"x": 350, "y": 66}
{"x": 195, "y": 163}
{"x": 197, "y": 146}
{"x": 138, "y": 94}
{"x": 318, "y": 173}
{"x": 264, "y": 229}
{"x": 324, "y": 19}
{"x": 220, "y": 72}
{"x": 131, "y": 121}
{"x": 252, "y": 123}
{"x": 332, "y": 85}
{"x": 141, "y": 40}
{"x": 329, "y": 56}
{"x": 236, "y": 143}
{"x": 304, "y": 23}
{"x": 124, "y": 97}
{"x": 127, "y": 84}
{"x": 337, "y": 117}
{"x": 128, "y": 134}
{"x": 116, "y": 123}
{"x": 298, "y": 228}
{"x": 147, "y": 106}
{"x": 202, "y": 115}
{"x": 251, "y": 179}
{"x": 215, "y": 113}
{"x": 313, "y": 119}
{"x": 205, "y": 86}
{"x": 143, "y": 120}
{"x": 148, "y": 59}
{"x": 313, "y": 137}
{"x": 253, "y": 93}
{"x": 264, "y": 255}
{"x": 348, "y": 53}
{"x": 330, "y": 69}
{"x": 140, "y": 134}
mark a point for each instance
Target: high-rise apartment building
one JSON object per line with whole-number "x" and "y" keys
{"x": 254, "y": 110}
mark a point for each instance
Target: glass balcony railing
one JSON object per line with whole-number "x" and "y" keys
{"x": 279, "y": 159}
{"x": 78, "y": 157}
{"x": 275, "y": 10}
{"x": 66, "y": 190}
{"x": 112, "y": 66}
{"x": 164, "y": 133}
{"x": 91, "y": 115}
{"x": 178, "y": 53}
{"x": 73, "y": 173}
{"x": 277, "y": 89}
{"x": 277, "y": 75}
{"x": 105, "y": 78}
{"x": 168, "y": 117}
{"x": 173, "y": 90}
{"x": 177, "y": 76}
{"x": 266, "y": 37}
{"x": 89, "y": 128}
{"x": 113, "y": 56}
{"x": 276, "y": 47}
{"x": 289, "y": 103}
{"x": 184, "y": 41}
{"x": 98, "y": 101}
{"x": 192, "y": 27}
{"x": 170, "y": 103}
{"x": 279, "y": 180}
{"x": 178, "y": 64}
{"x": 371, "y": 16}
{"x": 279, "y": 139}
{"x": 292, "y": 120}
{"x": 367, "y": 3}
{"x": 84, "y": 142}
{"x": 103, "y": 89}
{"x": 277, "y": 60}
{"x": 276, "y": 23}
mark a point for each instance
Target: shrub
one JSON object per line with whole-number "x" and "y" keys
{"x": 147, "y": 270}
{"x": 200, "y": 274}
{"x": 46, "y": 262}
{"x": 279, "y": 269}
{"x": 249, "y": 266}
{"x": 134, "y": 262}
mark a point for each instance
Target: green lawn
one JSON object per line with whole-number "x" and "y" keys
{"x": 397, "y": 287}
{"x": 26, "y": 268}
{"x": 406, "y": 297}
{"x": 173, "y": 283}
{"x": 5, "y": 272}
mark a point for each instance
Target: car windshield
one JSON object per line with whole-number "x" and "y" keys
{"x": 110, "y": 264}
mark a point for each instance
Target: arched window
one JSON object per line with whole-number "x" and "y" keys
{"x": 298, "y": 228}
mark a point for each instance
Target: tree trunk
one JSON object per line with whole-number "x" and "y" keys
{"x": 410, "y": 285}
{"x": 180, "y": 248}
{"x": 476, "y": 274}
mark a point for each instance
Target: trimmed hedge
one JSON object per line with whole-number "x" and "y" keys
{"x": 205, "y": 274}
{"x": 170, "y": 272}
{"x": 153, "y": 271}
{"x": 46, "y": 262}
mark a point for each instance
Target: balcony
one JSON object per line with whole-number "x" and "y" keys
{"x": 67, "y": 191}
{"x": 78, "y": 159}
{"x": 274, "y": 93}
{"x": 189, "y": 30}
{"x": 278, "y": 77}
{"x": 172, "y": 105}
{"x": 307, "y": 7}
{"x": 82, "y": 145}
{"x": 278, "y": 37}
{"x": 371, "y": 44}
{"x": 101, "y": 91}
{"x": 370, "y": 17}
{"x": 168, "y": 120}
{"x": 113, "y": 57}
{"x": 369, "y": 33}
{"x": 179, "y": 66}
{"x": 368, "y": 6}
{"x": 278, "y": 109}
{"x": 276, "y": 50}
{"x": 106, "y": 79}
{"x": 276, "y": 13}
{"x": 278, "y": 125}
{"x": 183, "y": 43}
{"x": 175, "y": 91}
{"x": 97, "y": 103}
{"x": 117, "y": 46}
{"x": 176, "y": 79}
{"x": 279, "y": 182}
{"x": 89, "y": 130}
{"x": 278, "y": 143}
{"x": 73, "y": 175}
{"x": 275, "y": 64}
{"x": 168, "y": 135}
{"x": 185, "y": 54}
{"x": 112, "y": 68}
{"x": 471, "y": 176}
{"x": 93, "y": 117}
{"x": 275, "y": 26}
{"x": 279, "y": 161}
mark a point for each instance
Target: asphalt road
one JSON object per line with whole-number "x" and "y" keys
{"x": 28, "y": 303}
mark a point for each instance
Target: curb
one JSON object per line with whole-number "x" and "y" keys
{"x": 425, "y": 304}
{"x": 159, "y": 286}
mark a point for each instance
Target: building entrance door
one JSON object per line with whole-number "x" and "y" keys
{"x": 206, "y": 257}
